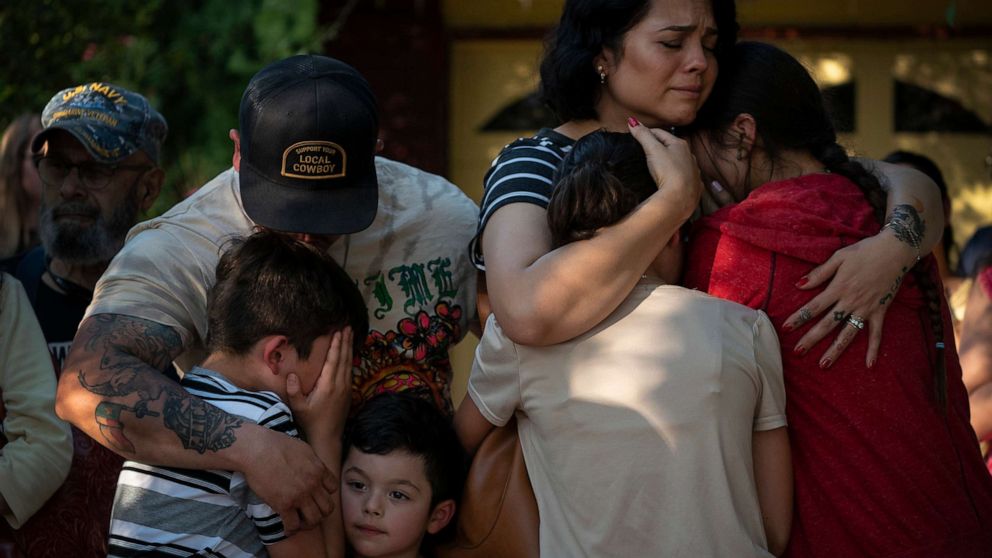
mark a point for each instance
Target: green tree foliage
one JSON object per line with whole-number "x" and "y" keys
{"x": 191, "y": 58}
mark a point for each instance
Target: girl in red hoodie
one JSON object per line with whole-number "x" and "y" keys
{"x": 886, "y": 463}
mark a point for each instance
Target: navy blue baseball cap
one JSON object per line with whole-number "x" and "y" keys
{"x": 309, "y": 128}
{"x": 108, "y": 120}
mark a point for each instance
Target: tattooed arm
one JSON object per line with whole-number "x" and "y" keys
{"x": 112, "y": 389}
{"x": 864, "y": 277}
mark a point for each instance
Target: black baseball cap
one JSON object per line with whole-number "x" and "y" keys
{"x": 309, "y": 128}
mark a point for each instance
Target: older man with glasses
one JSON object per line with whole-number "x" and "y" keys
{"x": 97, "y": 156}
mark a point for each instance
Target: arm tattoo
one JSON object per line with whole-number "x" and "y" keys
{"x": 200, "y": 425}
{"x": 893, "y": 289}
{"x": 907, "y": 225}
{"x": 128, "y": 349}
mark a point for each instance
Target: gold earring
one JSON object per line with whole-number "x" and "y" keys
{"x": 602, "y": 74}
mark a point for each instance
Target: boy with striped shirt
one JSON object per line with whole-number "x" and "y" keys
{"x": 283, "y": 317}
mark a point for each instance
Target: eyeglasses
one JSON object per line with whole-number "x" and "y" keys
{"x": 94, "y": 176}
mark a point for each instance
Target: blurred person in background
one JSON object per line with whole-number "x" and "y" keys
{"x": 973, "y": 258}
{"x": 975, "y": 345}
{"x": 97, "y": 159}
{"x": 20, "y": 188}
{"x": 975, "y": 252}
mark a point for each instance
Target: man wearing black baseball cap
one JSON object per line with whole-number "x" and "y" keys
{"x": 304, "y": 164}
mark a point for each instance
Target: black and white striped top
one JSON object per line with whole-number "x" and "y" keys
{"x": 166, "y": 511}
{"x": 522, "y": 173}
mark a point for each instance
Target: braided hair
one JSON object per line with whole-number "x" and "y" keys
{"x": 778, "y": 92}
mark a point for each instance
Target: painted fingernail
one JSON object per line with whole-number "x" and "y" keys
{"x": 802, "y": 282}
{"x": 787, "y": 326}
{"x": 632, "y": 122}
{"x": 871, "y": 363}
{"x": 717, "y": 187}
{"x": 825, "y": 363}
{"x": 799, "y": 350}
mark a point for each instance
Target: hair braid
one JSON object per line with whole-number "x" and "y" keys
{"x": 764, "y": 81}
{"x": 835, "y": 159}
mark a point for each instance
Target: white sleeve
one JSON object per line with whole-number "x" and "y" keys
{"x": 36, "y": 459}
{"x": 770, "y": 412}
{"x": 494, "y": 384}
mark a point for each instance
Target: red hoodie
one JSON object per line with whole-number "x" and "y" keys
{"x": 879, "y": 469}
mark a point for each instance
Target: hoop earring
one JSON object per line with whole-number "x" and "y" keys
{"x": 602, "y": 74}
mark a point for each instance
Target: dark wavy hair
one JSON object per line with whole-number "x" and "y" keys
{"x": 599, "y": 182}
{"x": 272, "y": 284}
{"x": 569, "y": 82}
{"x": 405, "y": 422}
{"x": 773, "y": 87}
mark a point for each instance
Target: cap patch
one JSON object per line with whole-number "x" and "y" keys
{"x": 314, "y": 160}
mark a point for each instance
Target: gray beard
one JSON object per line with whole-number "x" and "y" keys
{"x": 94, "y": 243}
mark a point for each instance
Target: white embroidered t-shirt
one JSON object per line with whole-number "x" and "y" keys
{"x": 411, "y": 265}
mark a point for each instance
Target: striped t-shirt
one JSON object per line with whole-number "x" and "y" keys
{"x": 522, "y": 173}
{"x": 185, "y": 512}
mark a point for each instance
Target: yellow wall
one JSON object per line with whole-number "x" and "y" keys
{"x": 484, "y": 76}
{"x": 959, "y": 69}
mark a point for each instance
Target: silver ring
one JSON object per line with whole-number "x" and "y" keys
{"x": 856, "y": 321}
{"x": 805, "y": 315}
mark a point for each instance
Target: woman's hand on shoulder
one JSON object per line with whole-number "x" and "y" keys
{"x": 863, "y": 280}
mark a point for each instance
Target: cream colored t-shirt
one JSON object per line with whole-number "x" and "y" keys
{"x": 38, "y": 452}
{"x": 411, "y": 265}
{"x": 637, "y": 435}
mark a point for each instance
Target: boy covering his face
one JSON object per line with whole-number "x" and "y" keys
{"x": 279, "y": 309}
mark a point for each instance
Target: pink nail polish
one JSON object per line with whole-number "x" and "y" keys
{"x": 632, "y": 122}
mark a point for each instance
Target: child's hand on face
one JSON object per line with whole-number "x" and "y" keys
{"x": 322, "y": 412}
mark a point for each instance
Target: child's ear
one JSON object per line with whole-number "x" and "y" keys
{"x": 441, "y": 516}
{"x": 275, "y": 352}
